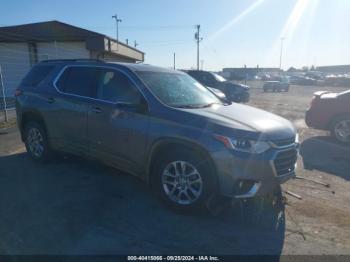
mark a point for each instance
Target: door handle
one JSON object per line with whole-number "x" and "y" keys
{"x": 96, "y": 110}
{"x": 50, "y": 100}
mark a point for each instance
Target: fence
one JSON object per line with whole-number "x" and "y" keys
{"x": 5, "y": 103}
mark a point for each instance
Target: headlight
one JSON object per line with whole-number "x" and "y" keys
{"x": 297, "y": 138}
{"x": 243, "y": 144}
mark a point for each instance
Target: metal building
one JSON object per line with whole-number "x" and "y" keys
{"x": 22, "y": 46}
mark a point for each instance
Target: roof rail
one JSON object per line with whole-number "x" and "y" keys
{"x": 72, "y": 60}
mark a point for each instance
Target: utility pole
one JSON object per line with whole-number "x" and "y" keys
{"x": 282, "y": 39}
{"x": 117, "y": 21}
{"x": 3, "y": 96}
{"x": 135, "y": 44}
{"x": 198, "y": 40}
{"x": 174, "y": 60}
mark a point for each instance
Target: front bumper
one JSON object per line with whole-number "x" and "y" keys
{"x": 243, "y": 175}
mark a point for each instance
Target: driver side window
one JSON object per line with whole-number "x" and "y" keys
{"x": 115, "y": 87}
{"x": 208, "y": 79}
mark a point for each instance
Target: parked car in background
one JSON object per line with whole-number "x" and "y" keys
{"x": 279, "y": 84}
{"x": 331, "y": 111}
{"x": 302, "y": 80}
{"x": 234, "y": 92}
{"x": 315, "y": 75}
{"x": 158, "y": 124}
{"x": 338, "y": 80}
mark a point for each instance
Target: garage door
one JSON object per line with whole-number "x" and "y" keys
{"x": 14, "y": 62}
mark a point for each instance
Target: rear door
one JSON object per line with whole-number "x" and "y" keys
{"x": 76, "y": 86}
{"x": 117, "y": 123}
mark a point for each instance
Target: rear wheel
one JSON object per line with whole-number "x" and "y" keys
{"x": 183, "y": 180}
{"x": 341, "y": 129}
{"x": 36, "y": 142}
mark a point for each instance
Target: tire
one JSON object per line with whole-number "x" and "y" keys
{"x": 340, "y": 129}
{"x": 175, "y": 190}
{"x": 36, "y": 142}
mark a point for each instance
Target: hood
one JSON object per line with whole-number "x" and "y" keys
{"x": 238, "y": 117}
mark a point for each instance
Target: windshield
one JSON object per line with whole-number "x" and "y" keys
{"x": 219, "y": 77}
{"x": 178, "y": 90}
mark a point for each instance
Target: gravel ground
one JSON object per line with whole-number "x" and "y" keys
{"x": 74, "y": 206}
{"x": 322, "y": 216}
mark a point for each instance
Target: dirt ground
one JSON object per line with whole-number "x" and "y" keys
{"x": 322, "y": 216}
{"x": 74, "y": 206}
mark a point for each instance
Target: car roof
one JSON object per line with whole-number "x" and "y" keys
{"x": 94, "y": 62}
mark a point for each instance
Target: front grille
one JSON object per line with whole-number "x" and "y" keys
{"x": 285, "y": 161}
{"x": 284, "y": 142}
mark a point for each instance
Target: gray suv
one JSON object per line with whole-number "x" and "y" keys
{"x": 158, "y": 124}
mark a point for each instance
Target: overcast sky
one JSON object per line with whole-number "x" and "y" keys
{"x": 235, "y": 32}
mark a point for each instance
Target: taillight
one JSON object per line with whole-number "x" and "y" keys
{"x": 18, "y": 92}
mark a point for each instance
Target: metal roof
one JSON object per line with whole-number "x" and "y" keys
{"x": 50, "y": 31}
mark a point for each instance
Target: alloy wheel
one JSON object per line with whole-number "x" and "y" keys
{"x": 342, "y": 130}
{"x": 182, "y": 182}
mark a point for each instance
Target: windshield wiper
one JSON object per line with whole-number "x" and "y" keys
{"x": 198, "y": 106}
{"x": 208, "y": 105}
{"x": 188, "y": 106}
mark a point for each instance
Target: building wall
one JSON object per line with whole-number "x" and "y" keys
{"x": 337, "y": 69}
{"x": 62, "y": 50}
{"x": 115, "y": 58}
{"x": 123, "y": 50}
{"x": 16, "y": 59}
{"x": 15, "y": 63}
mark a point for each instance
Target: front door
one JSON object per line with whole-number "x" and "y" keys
{"x": 118, "y": 122}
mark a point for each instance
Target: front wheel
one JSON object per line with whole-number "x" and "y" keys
{"x": 341, "y": 129}
{"x": 184, "y": 180}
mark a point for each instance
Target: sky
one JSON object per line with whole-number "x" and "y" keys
{"x": 235, "y": 32}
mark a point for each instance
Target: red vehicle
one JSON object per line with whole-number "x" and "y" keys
{"x": 331, "y": 111}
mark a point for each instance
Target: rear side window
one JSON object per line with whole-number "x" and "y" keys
{"x": 80, "y": 81}
{"x": 36, "y": 75}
